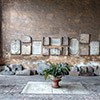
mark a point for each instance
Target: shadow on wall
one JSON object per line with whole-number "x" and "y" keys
{"x": 1, "y": 52}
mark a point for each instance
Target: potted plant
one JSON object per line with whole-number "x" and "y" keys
{"x": 55, "y": 72}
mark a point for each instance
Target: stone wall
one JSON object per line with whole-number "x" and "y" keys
{"x": 48, "y": 18}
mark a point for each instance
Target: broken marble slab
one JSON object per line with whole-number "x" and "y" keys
{"x": 94, "y": 48}
{"x": 84, "y": 38}
{"x": 26, "y": 48}
{"x": 84, "y": 50}
{"x": 46, "y": 41}
{"x": 45, "y": 51}
{"x": 65, "y": 41}
{"x": 15, "y": 47}
{"x": 55, "y": 51}
{"x": 74, "y": 46}
{"x": 64, "y": 51}
{"x": 26, "y": 39}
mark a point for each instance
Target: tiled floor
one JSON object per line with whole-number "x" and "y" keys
{"x": 12, "y": 86}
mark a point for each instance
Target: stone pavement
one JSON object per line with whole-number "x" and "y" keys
{"x": 12, "y": 86}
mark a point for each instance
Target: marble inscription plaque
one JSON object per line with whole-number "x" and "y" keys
{"x": 56, "y": 41}
{"x": 74, "y": 46}
{"x": 84, "y": 50}
{"x": 37, "y": 48}
{"x": 26, "y": 38}
{"x": 65, "y": 41}
{"x": 65, "y": 51}
{"x": 15, "y": 47}
{"x": 46, "y": 40}
{"x": 55, "y": 52}
{"x": 26, "y": 49}
{"x": 45, "y": 51}
{"x": 94, "y": 48}
{"x": 84, "y": 38}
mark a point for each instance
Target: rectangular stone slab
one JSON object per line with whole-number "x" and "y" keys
{"x": 84, "y": 38}
{"x": 37, "y": 47}
{"x": 45, "y": 51}
{"x": 65, "y": 51}
{"x": 64, "y": 40}
{"x": 94, "y": 48}
{"x": 26, "y": 49}
{"x": 15, "y": 47}
{"x": 55, "y": 51}
{"x": 84, "y": 49}
{"x": 56, "y": 41}
{"x": 46, "y": 41}
{"x": 74, "y": 46}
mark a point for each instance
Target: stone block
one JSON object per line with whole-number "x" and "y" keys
{"x": 65, "y": 51}
{"x": 74, "y": 73}
{"x": 74, "y": 46}
{"x": 16, "y": 67}
{"x": 45, "y": 51}
{"x": 25, "y": 72}
{"x": 65, "y": 41}
{"x": 84, "y": 38}
{"x": 26, "y": 49}
{"x": 15, "y": 47}
{"x": 84, "y": 50}
{"x": 56, "y": 41}
{"x": 94, "y": 48}
{"x": 41, "y": 66}
{"x": 55, "y": 52}
{"x": 26, "y": 39}
{"x": 46, "y": 41}
{"x": 37, "y": 48}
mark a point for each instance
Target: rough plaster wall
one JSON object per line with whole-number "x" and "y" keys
{"x": 39, "y": 18}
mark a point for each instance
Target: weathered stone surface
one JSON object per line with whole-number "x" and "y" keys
{"x": 74, "y": 46}
{"x": 15, "y": 67}
{"x": 15, "y": 47}
{"x": 94, "y": 48}
{"x": 46, "y": 40}
{"x": 65, "y": 51}
{"x": 45, "y": 51}
{"x": 37, "y": 48}
{"x": 4, "y": 72}
{"x": 41, "y": 66}
{"x": 65, "y": 41}
{"x": 84, "y": 38}
{"x": 56, "y": 41}
{"x": 6, "y": 68}
{"x": 84, "y": 49}
{"x": 25, "y": 72}
{"x": 55, "y": 51}
{"x": 26, "y": 49}
{"x": 26, "y": 39}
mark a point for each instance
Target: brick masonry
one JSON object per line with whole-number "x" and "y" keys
{"x": 50, "y": 18}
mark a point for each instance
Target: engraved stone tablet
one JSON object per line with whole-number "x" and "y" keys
{"x": 84, "y": 50}
{"x": 94, "y": 48}
{"x": 45, "y": 51}
{"x": 15, "y": 47}
{"x": 56, "y": 41}
{"x": 65, "y": 41}
{"x": 55, "y": 51}
{"x": 36, "y": 47}
{"x": 74, "y": 46}
{"x": 26, "y": 49}
{"x": 65, "y": 51}
{"x": 46, "y": 40}
{"x": 84, "y": 38}
{"x": 26, "y": 39}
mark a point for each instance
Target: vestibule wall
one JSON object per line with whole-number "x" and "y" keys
{"x": 48, "y": 18}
